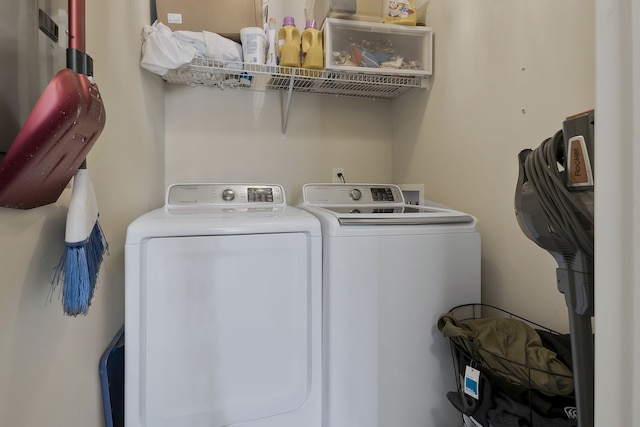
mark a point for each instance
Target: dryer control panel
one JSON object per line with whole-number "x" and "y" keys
{"x": 225, "y": 194}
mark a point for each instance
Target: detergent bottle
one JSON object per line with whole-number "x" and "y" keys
{"x": 312, "y": 53}
{"x": 289, "y": 43}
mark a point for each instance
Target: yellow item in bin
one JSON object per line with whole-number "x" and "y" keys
{"x": 312, "y": 53}
{"x": 289, "y": 43}
{"x": 400, "y": 12}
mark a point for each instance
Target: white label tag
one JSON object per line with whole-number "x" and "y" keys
{"x": 471, "y": 382}
{"x": 174, "y": 18}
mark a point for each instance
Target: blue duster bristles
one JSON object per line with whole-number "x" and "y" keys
{"x": 96, "y": 248}
{"x": 78, "y": 272}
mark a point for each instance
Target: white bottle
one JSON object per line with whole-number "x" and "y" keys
{"x": 272, "y": 49}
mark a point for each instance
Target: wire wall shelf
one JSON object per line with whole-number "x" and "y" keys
{"x": 226, "y": 74}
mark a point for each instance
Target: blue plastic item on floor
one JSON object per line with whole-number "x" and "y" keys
{"x": 112, "y": 381}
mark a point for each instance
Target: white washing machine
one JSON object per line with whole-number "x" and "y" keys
{"x": 389, "y": 271}
{"x": 223, "y": 311}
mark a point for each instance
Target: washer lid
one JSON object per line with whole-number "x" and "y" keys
{"x": 398, "y": 215}
{"x": 375, "y": 204}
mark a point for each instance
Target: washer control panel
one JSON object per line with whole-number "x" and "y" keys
{"x": 349, "y": 194}
{"x": 225, "y": 194}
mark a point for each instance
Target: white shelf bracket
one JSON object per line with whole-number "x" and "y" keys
{"x": 285, "y": 119}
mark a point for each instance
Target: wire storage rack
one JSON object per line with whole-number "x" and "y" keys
{"x": 229, "y": 74}
{"x": 510, "y": 392}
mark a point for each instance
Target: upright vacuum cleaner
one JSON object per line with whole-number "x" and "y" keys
{"x": 554, "y": 208}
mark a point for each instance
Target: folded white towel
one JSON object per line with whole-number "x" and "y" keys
{"x": 161, "y": 50}
{"x": 164, "y": 50}
{"x": 212, "y": 45}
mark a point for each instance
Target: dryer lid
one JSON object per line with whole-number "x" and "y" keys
{"x": 222, "y": 209}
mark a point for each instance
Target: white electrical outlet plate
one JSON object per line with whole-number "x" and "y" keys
{"x": 334, "y": 175}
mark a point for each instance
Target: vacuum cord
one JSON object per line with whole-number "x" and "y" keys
{"x": 541, "y": 168}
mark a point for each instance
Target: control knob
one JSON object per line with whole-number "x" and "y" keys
{"x": 356, "y": 194}
{"x": 228, "y": 195}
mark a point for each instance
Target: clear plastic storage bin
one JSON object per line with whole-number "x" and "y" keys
{"x": 368, "y": 47}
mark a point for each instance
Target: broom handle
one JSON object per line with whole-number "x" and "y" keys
{"x": 76, "y": 24}
{"x": 76, "y": 14}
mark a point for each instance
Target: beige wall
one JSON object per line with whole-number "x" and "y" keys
{"x": 506, "y": 75}
{"x": 235, "y": 136}
{"x": 49, "y": 362}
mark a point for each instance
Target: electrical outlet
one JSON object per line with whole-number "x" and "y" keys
{"x": 337, "y": 175}
{"x": 413, "y": 193}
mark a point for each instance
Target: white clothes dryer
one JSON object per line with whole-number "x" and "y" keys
{"x": 223, "y": 311}
{"x": 389, "y": 271}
